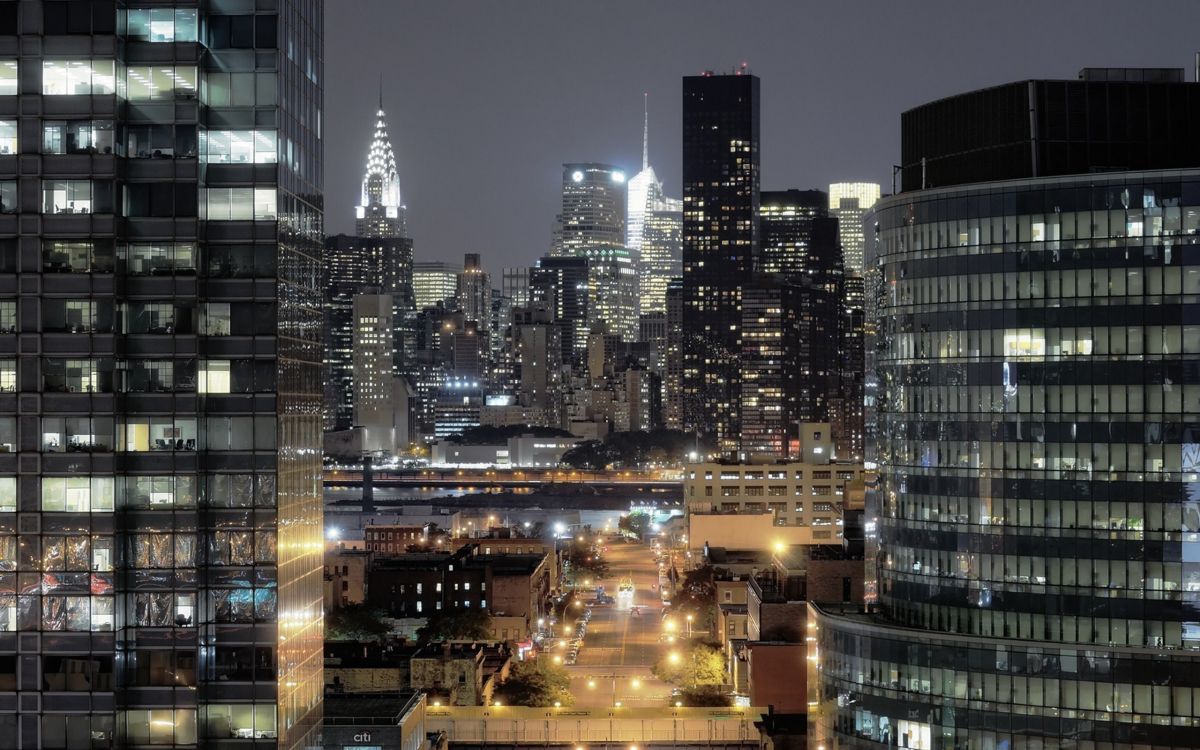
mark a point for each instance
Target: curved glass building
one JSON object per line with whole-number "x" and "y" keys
{"x": 1037, "y": 509}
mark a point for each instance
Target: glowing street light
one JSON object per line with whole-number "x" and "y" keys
{"x": 674, "y": 657}
{"x": 635, "y": 683}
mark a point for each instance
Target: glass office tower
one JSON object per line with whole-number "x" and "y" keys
{"x": 1037, "y": 511}
{"x": 160, "y": 413}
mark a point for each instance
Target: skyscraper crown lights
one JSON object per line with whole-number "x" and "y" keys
{"x": 381, "y": 183}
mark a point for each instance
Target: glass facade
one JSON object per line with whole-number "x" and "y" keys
{"x": 160, "y": 392}
{"x": 1037, "y": 510}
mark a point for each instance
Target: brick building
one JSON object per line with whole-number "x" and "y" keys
{"x": 459, "y": 674}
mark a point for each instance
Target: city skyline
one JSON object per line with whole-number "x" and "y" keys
{"x": 483, "y": 57}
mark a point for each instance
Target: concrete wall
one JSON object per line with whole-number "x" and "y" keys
{"x": 749, "y": 531}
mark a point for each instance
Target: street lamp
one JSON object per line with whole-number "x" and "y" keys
{"x": 673, "y": 657}
{"x": 689, "y": 627}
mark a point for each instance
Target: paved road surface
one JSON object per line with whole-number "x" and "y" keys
{"x": 619, "y": 648}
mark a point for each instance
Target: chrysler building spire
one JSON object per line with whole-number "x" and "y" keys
{"x": 381, "y": 213}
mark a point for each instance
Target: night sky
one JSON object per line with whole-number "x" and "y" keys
{"x": 486, "y": 99}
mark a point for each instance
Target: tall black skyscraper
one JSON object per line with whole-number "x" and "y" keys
{"x": 160, "y": 491}
{"x": 560, "y": 284}
{"x": 1037, "y": 512}
{"x": 790, "y": 318}
{"x": 720, "y": 240}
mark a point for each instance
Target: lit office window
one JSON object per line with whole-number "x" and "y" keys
{"x": 78, "y": 77}
{"x": 77, "y": 137}
{"x": 159, "y": 491}
{"x": 76, "y": 197}
{"x": 149, "y": 82}
{"x": 77, "y": 375}
{"x": 8, "y": 77}
{"x": 77, "y": 256}
{"x": 8, "y": 494}
{"x": 214, "y": 376}
{"x": 238, "y": 146}
{"x": 8, "y": 136}
{"x": 142, "y": 434}
{"x": 160, "y": 726}
{"x": 77, "y": 494}
{"x": 159, "y": 259}
{"x": 160, "y": 24}
{"x": 8, "y": 196}
{"x": 77, "y": 434}
{"x": 79, "y": 613}
{"x": 239, "y": 204}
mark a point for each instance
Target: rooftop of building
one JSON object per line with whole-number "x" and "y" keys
{"x": 480, "y": 652}
{"x": 723, "y": 556}
{"x": 379, "y": 710}
{"x": 355, "y": 655}
{"x": 1088, "y": 75}
{"x": 512, "y": 564}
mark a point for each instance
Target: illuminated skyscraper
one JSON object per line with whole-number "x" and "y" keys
{"x": 644, "y": 193}
{"x": 850, "y": 202}
{"x": 654, "y": 231}
{"x": 435, "y": 282}
{"x": 593, "y": 209}
{"x": 378, "y": 260}
{"x": 1036, "y": 513}
{"x": 661, "y": 256}
{"x": 612, "y": 292}
{"x": 560, "y": 285}
{"x": 474, "y": 290}
{"x": 381, "y": 213}
{"x": 720, "y": 240}
{"x": 160, "y": 493}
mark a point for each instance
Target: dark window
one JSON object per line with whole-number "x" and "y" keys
{"x": 155, "y": 200}
{"x": 242, "y": 32}
{"x": 846, "y": 589}
{"x": 265, "y": 32}
{"x": 74, "y": 17}
{"x": 8, "y": 18}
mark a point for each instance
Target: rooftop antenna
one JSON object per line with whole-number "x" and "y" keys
{"x": 645, "y": 130}
{"x": 381, "y": 92}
